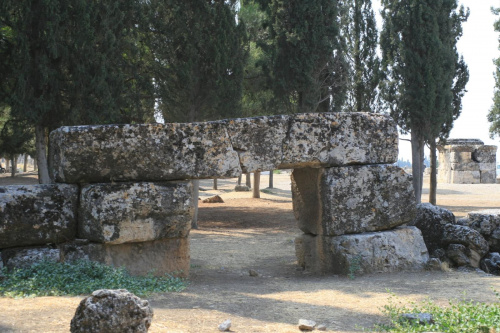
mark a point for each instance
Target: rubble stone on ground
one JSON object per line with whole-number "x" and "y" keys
{"x": 107, "y": 311}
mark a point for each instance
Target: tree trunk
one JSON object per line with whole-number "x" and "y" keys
{"x": 196, "y": 192}
{"x": 7, "y": 164}
{"x": 271, "y": 176}
{"x": 35, "y": 164}
{"x": 25, "y": 166}
{"x": 41, "y": 155}
{"x": 239, "y": 180}
{"x": 256, "y": 184}
{"x": 215, "y": 183}
{"x": 416, "y": 164}
{"x": 14, "y": 166}
{"x": 248, "y": 183}
{"x": 433, "y": 182}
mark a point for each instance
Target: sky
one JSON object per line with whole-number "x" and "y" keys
{"x": 479, "y": 46}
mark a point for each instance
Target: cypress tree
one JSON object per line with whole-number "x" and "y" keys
{"x": 198, "y": 58}
{"x": 303, "y": 40}
{"x": 424, "y": 76}
{"x": 494, "y": 113}
{"x": 360, "y": 40}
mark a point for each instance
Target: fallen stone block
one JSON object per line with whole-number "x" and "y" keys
{"x": 472, "y": 239}
{"x": 109, "y": 310}
{"x": 401, "y": 249}
{"x": 353, "y": 199}
{"x": 431, "y": 221}
{"x": 170, "y": 255}
{"x": 37, "y": 214}
{"x": 153, "y": 152}
{"x": 135, "y": 212}
{"x": 487, "y": 222}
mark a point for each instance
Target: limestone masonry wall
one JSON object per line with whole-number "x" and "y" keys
{"x": 467, "y": 161}
{"x": 123, "y": 196}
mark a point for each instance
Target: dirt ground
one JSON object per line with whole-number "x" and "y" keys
{"x": 245, "y": 233}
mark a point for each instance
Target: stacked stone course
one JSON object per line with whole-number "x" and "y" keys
{"x": 123, "y": 195}
{"x": 467, "y": 161}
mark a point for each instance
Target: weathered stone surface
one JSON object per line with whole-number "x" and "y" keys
{"x": 387, "y": 251}
{"x": 37, "y": 214}
{"x": 225, "y": 326}
{"x": 258, "y": 141}
{"x": 487, "y": 222}
{"x": 170, "y": 255}
{"x": 472, "y": 239}
{"x": 491, "y": 263}
{"x": 467, "y": 161}
{"x": 459, "y": 254}
{"x": 135, "y": 212}
{"x": 488, "y": 177}
{"x": 26, "y": 257}
{"x": 241, "y": 188}
{"x": 336, "y": 139}
{"x": 152, "y": 152}
{"x": 107, "y": 311}
{"x": 306, "y": 324}
{"x": 431, "y": 220}
{"x": 354, "y": 199}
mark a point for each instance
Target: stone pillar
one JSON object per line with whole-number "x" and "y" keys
{"x": 347, "y": 214}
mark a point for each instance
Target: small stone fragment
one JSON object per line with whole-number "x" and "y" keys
{"x": 214, "y": 199}
{"x": 112, "y": 311}
{"x": 241, "y": 188}
{"x": 306, "y": 325}
{"x": 434, "y": 264}
{"x": 419, "y": 318}
{"x": 225, "y": 326}
{"x": 321, "y": 327}
{"x": 253, "y": 273}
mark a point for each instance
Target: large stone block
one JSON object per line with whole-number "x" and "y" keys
{"x": 431, "y": 220}
{"x": 465, "y": 177}
{"x": 170, "y": 255}
{"x": 353, "y": 199}
{"x": 135, "y": 212}
{"x": 153, "y": 152}
{"x": 37, "y": 214}
{"x": 489, "y": 177}
{"x": 336, "y": 139}
{"x": 387, "y": 251}
{"x": 26, "y": 257}
{"x": 258, "y": 141}
{"x": 485, "y": 154}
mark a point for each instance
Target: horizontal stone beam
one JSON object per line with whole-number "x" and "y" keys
{"x": 37, "y": 214}
{"x": 222, "y": 149}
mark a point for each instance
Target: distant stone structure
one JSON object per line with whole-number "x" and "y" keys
{"x": 123, "y": 194}
{"x": 467, "y": 161}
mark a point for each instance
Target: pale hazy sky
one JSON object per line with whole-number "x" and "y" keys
{"x": 479, "y": 46}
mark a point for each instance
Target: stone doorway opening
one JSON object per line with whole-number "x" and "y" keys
{"x": 245, "y": 236}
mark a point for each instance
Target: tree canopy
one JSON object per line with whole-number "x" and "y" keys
{"x": 494, "y": 113}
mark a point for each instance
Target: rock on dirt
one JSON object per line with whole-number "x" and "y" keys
{"x": 306, "y": 324}
{"x": 225, "y": 326}
{"x": 109, "y": 310}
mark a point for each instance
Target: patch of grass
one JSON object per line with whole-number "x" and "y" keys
{"x": 80, "y": 278}
{"x": 460, "y": 316}
{"x": 354, "y": 266}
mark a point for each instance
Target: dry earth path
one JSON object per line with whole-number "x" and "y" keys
{"x": 245, "y": 233}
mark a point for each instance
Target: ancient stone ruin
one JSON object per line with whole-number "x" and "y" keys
{"x": 467, "y": 161}
{"x": 123, "y": 194}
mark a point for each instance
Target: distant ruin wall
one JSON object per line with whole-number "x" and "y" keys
{"x": 123, "y": 196}
{"x": 467, "y": 161}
